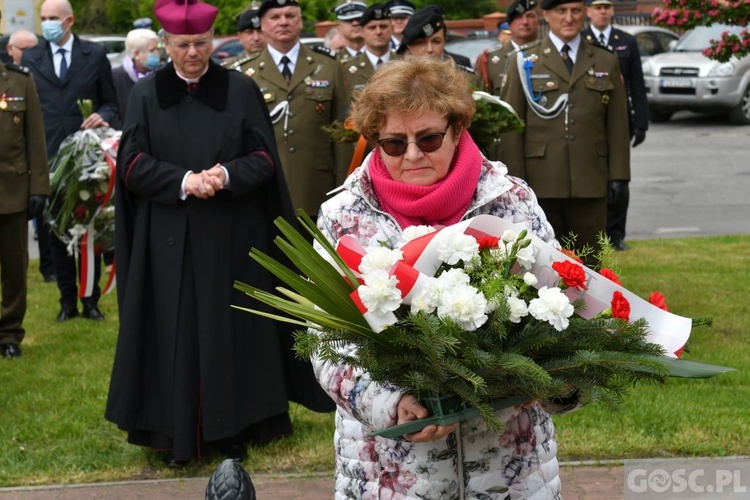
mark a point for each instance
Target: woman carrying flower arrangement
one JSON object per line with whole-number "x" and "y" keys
{"x": 425, "y": 169}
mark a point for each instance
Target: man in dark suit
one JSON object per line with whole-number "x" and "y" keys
{"x": 575, "y": 145}
{"x": 600, "y": 14}
{"x": 67, "y": 69}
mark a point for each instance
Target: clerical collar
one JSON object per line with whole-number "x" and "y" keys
{"x": 190, "y": 80}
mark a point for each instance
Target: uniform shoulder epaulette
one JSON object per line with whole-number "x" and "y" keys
{"x": 495, "y": 48}
{"x": 529, "y": 45}
{"x": 467, "y": 69}
{"x": 320, "y": 49}
{"x": 18, "y": 69}
{"x": 239, "y": 61}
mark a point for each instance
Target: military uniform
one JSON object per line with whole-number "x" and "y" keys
{"x": 315, "y": 97}
{"x": 492, "y": 67}
{"x": 358, "y": 70}
{"x": 568, "y": 160}
{"x": 23, "y": 173}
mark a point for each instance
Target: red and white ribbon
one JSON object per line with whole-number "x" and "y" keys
{"x": 420, "y": 262}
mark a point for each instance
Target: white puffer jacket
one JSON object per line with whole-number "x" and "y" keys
{"x": 472, "y": 462}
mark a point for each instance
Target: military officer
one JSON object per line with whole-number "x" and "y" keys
{"x": 24, "y": 188}
{"x": 523, "y": 24}
{"x": 575, "y": 145}
{"x": 304, "y": 91}
{"x": 401, "y": 11}
{"x": 600, "y": 14}
{"x": 250, "y": 35}
{"x": 348, "y": 14}
{"x": 376, "y": 31}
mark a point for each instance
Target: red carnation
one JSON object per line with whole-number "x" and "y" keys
{"x": 610, "y": 275}
{"x": 657, "y": 299}
{"x": 620, "y": 306}
{"x": 486, "y": 242}
{"x": 100, "y": 198}
{"x": 572, "y": 274}
{"x": 79, "y": 212}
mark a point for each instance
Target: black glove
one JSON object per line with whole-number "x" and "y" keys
{"x": 639, "y": 135}
{"x": 36, "y": 205}
{"x": 618, "y": 194}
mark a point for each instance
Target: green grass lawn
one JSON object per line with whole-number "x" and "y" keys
{"x": 52, "y": 399}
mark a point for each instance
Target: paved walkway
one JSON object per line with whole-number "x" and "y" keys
{"x": 582, "y": 482}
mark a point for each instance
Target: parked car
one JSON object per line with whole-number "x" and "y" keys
{"x": 114, "y": 44}
{"x": 685, "y": 79}
{"x": 471, "y": 46}
{"x": 651, "y": 40}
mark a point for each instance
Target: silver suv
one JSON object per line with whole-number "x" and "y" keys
{"x": 684, "y": 79}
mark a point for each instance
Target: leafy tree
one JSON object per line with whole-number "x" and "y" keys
{"x": 687, "y": 14}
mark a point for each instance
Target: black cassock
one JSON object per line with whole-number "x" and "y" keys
{"x": 188, "y": 367}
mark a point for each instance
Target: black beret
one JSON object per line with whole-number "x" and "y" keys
{"x": 248, "y": 20}
{"x": 349, "y": 10}
{"x": 551, "y": 4}
{"x": 518, "y": 7}
{"x": 400, "y": 7}
{"x": 375, "y": 12}
{"x": 275, "y": 4}
{"x": 425, "y": 22}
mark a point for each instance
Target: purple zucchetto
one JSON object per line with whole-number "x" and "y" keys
{"x": 185, "y": 17}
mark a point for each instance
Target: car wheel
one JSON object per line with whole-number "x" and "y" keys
{"x": 658, "y": 115}
{"x": 741, "y": 114}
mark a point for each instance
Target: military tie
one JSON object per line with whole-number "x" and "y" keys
{"x": 566, "y": 58}
{"x": 285, "y": 71}
{"x": 601, "y": 39}
{"x": 63, "y": 64}
{"x": 377, "y": 64}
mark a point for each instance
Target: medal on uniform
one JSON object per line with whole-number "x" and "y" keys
{"x": 16, "y": 119}
{"x": 605, "y": 99}
{"x": 320, "y": 107}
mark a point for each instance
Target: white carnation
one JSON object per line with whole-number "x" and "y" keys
{"x": 465, "y": 305}
{"x": 530, "y": 279}
{"x": 509, "y": 236}
{"x": 379, "y": 259}
{"x": 518, "y": 309}
{"x": 455, "y": 247}
{"x": 414, "y": 232}
{"x": 552, "y": 306}
{"x": 453, "y": 277}
{"x": 525, "y": 257}
{"x": 379, "y": 293}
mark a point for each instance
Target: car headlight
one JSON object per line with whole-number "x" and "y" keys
{"x": 723, "y": 69}
{"x": 647, "y": 69}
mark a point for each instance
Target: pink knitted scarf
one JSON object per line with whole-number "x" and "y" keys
{"x": 442, "y": 203}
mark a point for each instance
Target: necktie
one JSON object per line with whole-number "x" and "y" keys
{"x": 377, "y": 64}
{"x": 63, "y": 64}
{"x": 285, "y": 71}
{"x": 601, "y": 39}
{"x": 566, "y": 58}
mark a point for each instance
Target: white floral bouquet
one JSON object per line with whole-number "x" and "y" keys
{"x": 474, "y": 317}
{"x": 82, "y": 181}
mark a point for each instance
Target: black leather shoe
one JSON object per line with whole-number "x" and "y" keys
{"x": 173, "y": 463}
{"x": 92, "y": 312}
{"x": 11, "y": 351}
{"x": 66, "y": 314}
{"x": 620, "y": 246}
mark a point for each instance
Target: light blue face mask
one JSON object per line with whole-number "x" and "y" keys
{"x": 153, "y": 61}
{"x": 52, "y": 30}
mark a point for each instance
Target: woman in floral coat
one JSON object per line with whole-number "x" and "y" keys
{"x": 426, "y": 170}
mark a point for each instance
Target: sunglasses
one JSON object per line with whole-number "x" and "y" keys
{"x": 427, "y": 143}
